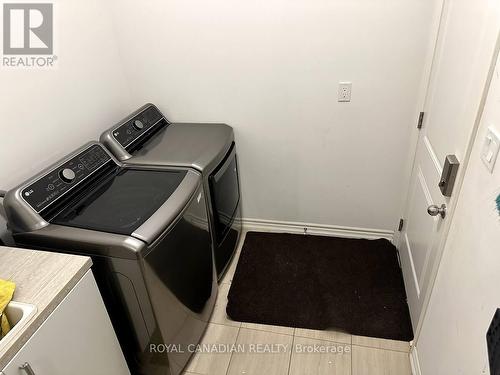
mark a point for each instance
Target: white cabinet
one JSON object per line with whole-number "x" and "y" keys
{"x": 77, "y": 339}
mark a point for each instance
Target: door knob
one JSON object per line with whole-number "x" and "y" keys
{"x": 435, "y": 210}
{"x": 27, "y": 368}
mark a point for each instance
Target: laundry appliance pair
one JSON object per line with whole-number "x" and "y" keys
{"x": 156, "y": 205}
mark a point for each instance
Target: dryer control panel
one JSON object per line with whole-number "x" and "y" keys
{"x": 137, "y": 126}
{"x": 56, "y": 183}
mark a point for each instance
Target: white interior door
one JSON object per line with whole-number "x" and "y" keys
{"x": 462, "y": 59}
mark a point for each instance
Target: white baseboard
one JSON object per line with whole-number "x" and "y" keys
{"x": 415, "y": 365}
{"x": 315, "y": 229}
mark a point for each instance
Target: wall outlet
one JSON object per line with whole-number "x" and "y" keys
{"x": 345, "y": 91}
{"x": 490, "y": 149}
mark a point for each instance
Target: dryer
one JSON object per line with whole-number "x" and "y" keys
{"x": 146, "y": 229}
{"x": 147, "y": 138}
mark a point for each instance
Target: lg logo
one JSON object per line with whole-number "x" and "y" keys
{"x": 27, "y": 29}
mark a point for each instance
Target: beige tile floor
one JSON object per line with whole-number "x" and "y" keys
{"x": 274, "y": 350}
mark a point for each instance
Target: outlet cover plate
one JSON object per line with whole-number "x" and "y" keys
{"x": 490, "y": 149}
{"x": 345, "y": 89}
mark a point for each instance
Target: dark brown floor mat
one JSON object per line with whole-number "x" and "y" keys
{"x": 319, "y": 282}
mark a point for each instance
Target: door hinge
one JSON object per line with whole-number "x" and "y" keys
{"x": 401, "y": 223}
{"x": 420, "y": 120}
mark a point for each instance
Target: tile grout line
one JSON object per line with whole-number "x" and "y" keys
{"x": 291, "y": 353}
{"x": 225, "y": 325}
{"x": 378, "y": 348}
{"x": 268, "y": 331}
{"x": 190, "y": 372}
{"x": 231, "y": 358}
{"x": 352, "y": 353}
{"x": 323, "y": 339}
{"x": 352, "y": 356}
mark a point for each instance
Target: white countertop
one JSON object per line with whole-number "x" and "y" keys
{"x": 42, "y": 279}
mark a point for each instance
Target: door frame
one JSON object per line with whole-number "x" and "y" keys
{"x": 415, "y": 137}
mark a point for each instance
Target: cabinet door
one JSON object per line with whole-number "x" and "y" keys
{"x": 77, "y": 338}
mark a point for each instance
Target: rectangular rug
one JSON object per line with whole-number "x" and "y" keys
{"x": 318, "y": 282}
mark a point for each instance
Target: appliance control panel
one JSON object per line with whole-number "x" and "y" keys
{"x": 137, "y": 126}
{"x": 62, "y": 179}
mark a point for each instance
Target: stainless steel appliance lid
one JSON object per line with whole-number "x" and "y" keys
{"x": 121, "y": 201}
{"x": 200, "y": 146}
{"x": 90, "y": 189}
{"x": 70, "y": 230}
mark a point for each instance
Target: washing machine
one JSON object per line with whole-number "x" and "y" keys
{"x": 146, "y": 230}
{"x": 147, "y": 138}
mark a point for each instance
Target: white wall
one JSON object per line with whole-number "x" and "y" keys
{"x": 270, "y": 69}
{"x": 46, "y": 114}
{"x": 465, "y": 296}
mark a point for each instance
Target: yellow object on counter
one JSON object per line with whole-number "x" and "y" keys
{"x": 6, "y": 292}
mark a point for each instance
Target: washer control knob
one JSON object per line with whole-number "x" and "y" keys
{"x": 67, "y": 175}
{"x": 138, "y": 125}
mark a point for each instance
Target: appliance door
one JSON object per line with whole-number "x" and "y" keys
{"x": 181, "y": 281}
{"x": 225, "y": 193}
